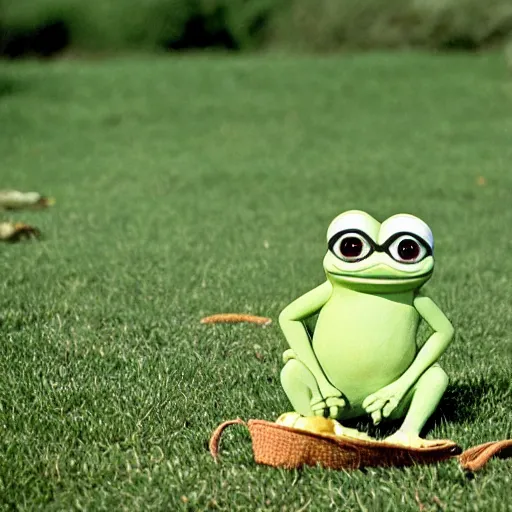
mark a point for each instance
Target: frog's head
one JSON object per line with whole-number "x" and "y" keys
{"x": 368, "y": 256}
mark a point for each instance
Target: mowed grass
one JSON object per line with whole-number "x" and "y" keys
{"x": 195, "y": 185}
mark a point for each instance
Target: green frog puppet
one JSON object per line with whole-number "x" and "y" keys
{"x": 363, "y": 357}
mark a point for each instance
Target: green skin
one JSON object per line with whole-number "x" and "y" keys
{"x": 363, "y": 357}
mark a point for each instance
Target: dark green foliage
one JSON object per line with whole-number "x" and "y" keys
{"x": 319, "y": 25}
{"x": 191, "y": 186}
{"x": 158, "y": 24}
{"x": 445, "y": 25}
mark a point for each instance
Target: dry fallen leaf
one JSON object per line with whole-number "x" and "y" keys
{"x": 481, "y": 181}
{"x": 15, "y": 200}
{"x": 16, "y": 231}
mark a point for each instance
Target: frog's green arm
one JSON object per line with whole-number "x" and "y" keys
{"x": 295, "y": 332}
{"x": 436, "y": 343}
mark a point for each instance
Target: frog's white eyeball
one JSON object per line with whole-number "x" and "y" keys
{"x": 405, "y": 223}
{"x": 407, "y": 249}
{"x": 352, "y": 219}
{"x": 351, "y": 247}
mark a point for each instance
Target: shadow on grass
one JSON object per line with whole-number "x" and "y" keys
{"x": 10, "y": 85}
{"x": 7, "y": 87}
{"x": 466, "y": 401}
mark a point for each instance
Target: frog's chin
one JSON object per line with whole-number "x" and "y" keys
{"x": 380, "y": 284}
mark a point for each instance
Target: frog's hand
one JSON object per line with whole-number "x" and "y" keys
{"x": 331, "y": 405}
{"x": 288, "y": 355}
{"x": 435, "y": 345}
{"x": 335, "y": 405}
{"x": 385, "y": 401}
{"x": 291, "y": 321}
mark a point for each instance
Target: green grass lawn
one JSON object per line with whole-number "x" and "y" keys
{"x": 194, "y": 185}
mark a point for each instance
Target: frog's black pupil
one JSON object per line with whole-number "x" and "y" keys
{"x": 408, "y": 249}
{"x": 351, "y": 247}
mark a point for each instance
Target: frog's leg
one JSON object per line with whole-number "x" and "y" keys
{"x": 429, "y": 378}
{"x": 417, "y": 407}
{"x": 324, "y": 396}
{"x": 299, "y": 384}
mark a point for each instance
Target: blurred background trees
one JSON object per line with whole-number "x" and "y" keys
{"x": 48, "y": 27}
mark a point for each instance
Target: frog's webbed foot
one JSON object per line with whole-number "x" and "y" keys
{"x": 412, "y": 440}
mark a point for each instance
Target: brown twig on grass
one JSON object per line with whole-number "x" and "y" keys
{"x": 235, "y": 318}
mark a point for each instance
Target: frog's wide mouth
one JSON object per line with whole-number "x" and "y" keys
{"x": 378, "y": 279}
